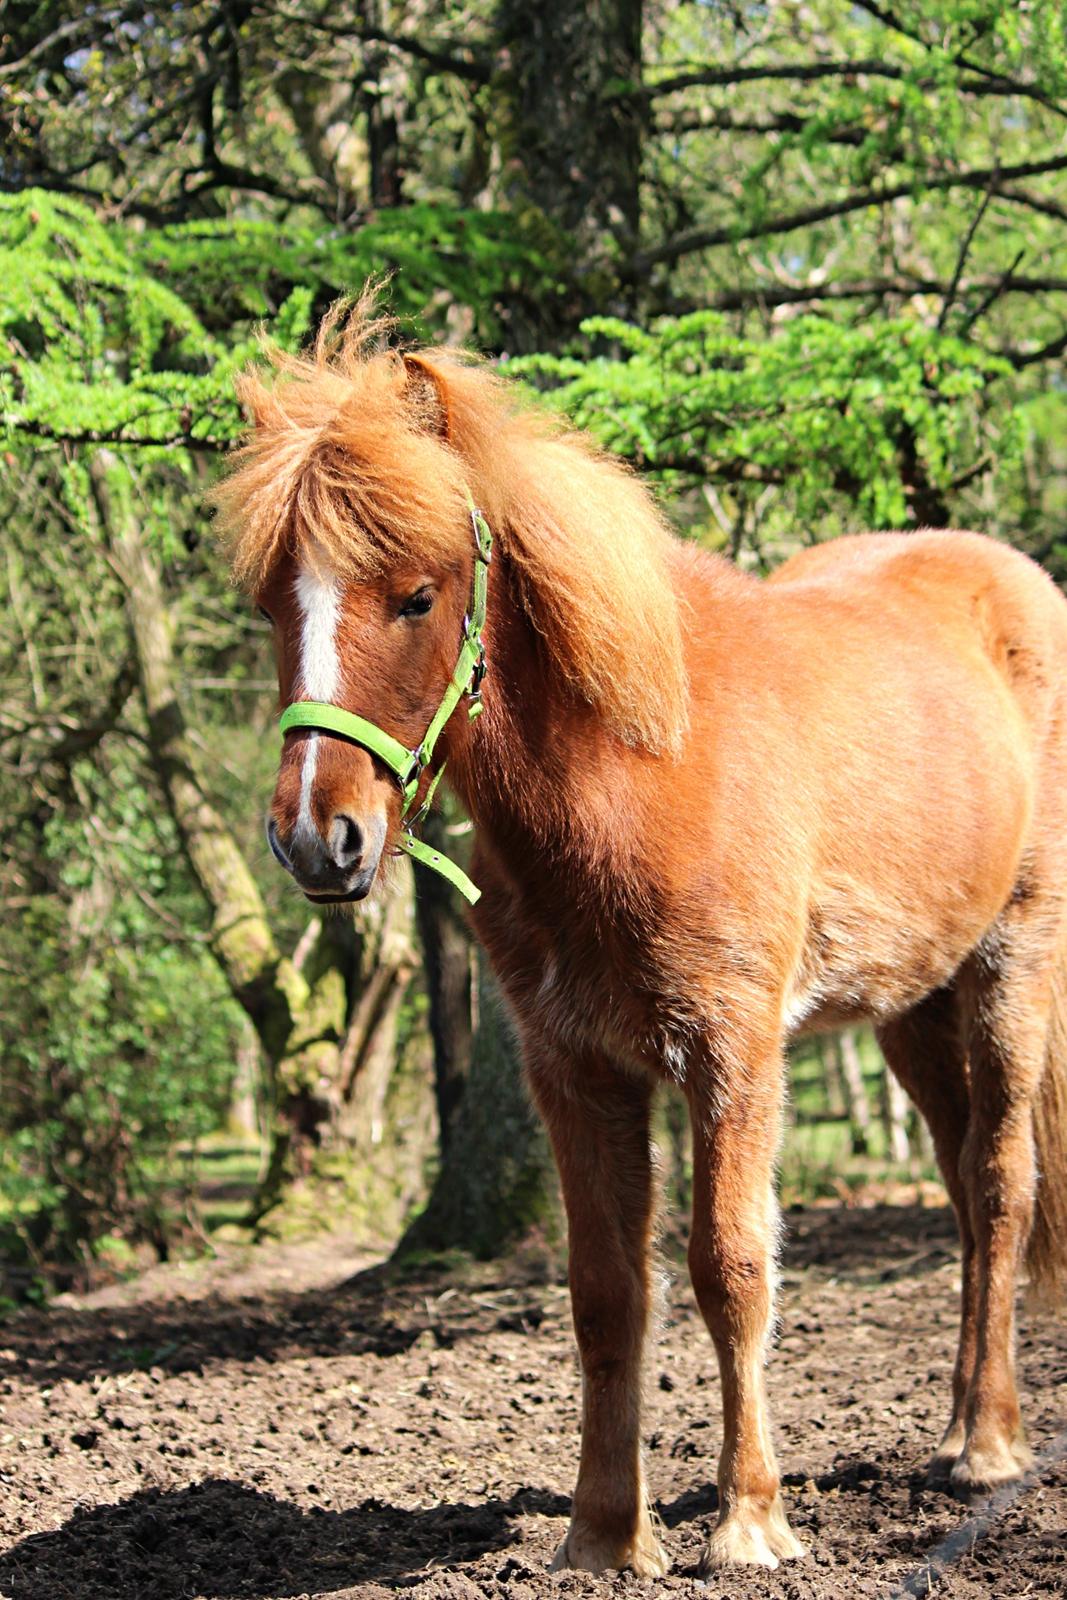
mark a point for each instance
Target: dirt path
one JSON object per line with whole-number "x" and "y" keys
{"x": 276, "y": 1426}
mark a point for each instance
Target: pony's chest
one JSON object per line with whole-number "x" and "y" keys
{"x": 592, "y": 996}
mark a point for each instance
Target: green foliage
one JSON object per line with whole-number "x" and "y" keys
{"x": 94, "y": 348}
{"x": 119, "y": 1036}
{"x": 110, "y": 333}
{"x": 835, "y": 412}
{"x": 434, "y": 256}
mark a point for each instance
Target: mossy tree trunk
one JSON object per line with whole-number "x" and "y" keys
{"x": 448, "y": 959}
{"x": 497, "y": 1182}
{"x": 299, "y": 1004}
{"x": 386, "y": 963}
{"x": 859, "y": 1106}
{"x": 572, "y": 122}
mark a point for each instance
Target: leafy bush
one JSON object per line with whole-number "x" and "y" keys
{"x": 118, "y": 1033}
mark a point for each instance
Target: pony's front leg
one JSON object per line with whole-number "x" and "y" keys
{"x": 598, "y": 1121}
{"x": 736, "y": 1112}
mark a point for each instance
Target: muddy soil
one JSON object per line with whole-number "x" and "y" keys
{"x": 285, "y": 1424}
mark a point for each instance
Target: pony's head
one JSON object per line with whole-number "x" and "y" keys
{"x": 348, "y": 521}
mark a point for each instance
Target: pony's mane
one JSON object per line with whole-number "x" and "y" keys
{"x": 359, "y": 457}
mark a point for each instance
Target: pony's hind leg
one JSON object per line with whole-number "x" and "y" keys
{"x": 1007, "y": 986}
{"x": 598, "y": 1121}
{"x": 925, "y": 1049}
{"x": 736, "y": 1119}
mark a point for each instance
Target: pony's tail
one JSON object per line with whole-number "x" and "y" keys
{"x": 1046, "y": 1252}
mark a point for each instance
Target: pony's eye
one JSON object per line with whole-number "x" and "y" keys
{"x": 417, "y": 604}
{"x": 265, "y": 615}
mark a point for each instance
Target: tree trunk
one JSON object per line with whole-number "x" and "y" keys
{"x": 244, "y": 1117}
{"x": 298, "y": 1011}
{"x": 387, "y": 961}
{"x": 367, "y": 1111}
{"x": 927, "y": 505}
{"x": 859, "y": 1106}
{"x": 678, "y": 1178}
{"x": 833, "y": 1083}
{"x": 896, "y": 1109}
{"x": 383, "y": 131}
{"x": 497, "y": 1181}
{"x": 570, "y": 141}
{"x": 575, "y": 135}
{"x": 447, "y": 951}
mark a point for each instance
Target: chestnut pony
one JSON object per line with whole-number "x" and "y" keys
{"x": 711, "y": 812}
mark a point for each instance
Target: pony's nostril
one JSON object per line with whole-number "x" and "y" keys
{"x": 346, "y": 841}
{"x": 276, "y": 845}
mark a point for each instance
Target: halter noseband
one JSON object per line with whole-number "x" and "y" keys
{"x": 407, "y": 766}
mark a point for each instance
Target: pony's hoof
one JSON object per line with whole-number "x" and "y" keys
{"x": 939, "y": 1467}
{"x": 981, "y": 1469}
{"x": 752, "y": 1535}
{"x": 584, "y": 1551}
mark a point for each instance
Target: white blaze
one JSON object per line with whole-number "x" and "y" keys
{"x": 318, "y": 595}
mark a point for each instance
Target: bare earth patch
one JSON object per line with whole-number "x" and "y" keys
{"x": 283, "y": 1424}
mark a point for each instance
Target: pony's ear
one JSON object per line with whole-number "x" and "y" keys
{"x": 426, "y": 396}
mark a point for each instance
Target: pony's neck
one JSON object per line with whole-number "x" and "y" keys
{"x": 522, "y": 768}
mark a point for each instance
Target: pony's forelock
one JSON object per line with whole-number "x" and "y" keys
{"x": 358, "y": 458}
{"x": 338, "y": 465}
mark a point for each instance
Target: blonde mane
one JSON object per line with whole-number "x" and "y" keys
{"x": 358, "y": 457}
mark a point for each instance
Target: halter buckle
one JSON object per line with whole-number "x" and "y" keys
{"x": 481, "y": 667}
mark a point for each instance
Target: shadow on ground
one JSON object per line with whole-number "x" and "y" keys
{"x": 370, "y": 1314}
{"x": 870, "y": 1243}
{"x": 378, "y": 1313}
{"x": 240, "y": 1544}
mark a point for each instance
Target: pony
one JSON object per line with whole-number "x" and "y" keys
{"x": 712, "y": 812}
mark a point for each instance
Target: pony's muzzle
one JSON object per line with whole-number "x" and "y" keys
{"x": 340, "y": 866}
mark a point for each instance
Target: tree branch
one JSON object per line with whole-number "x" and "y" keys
{"x": 775, "y": 294}
{"x": 1031, "y": 358}
{"x": 81, "y": 738}
{"x": 706, "y": 238}
{"x": 961, "y": 258}
{"x": 1040, "y": 203}
{"x": 732, "y": 470}
{"x": 36, "y": 429}
{"x": 999, "y": 286}
{"x": 889, "y": 19}
{"x": 985, "y": 83}
{"x": 449, "y": 57}
{"x": 707, "y": 118}
{"x": 87, "y": 21}
{"x": 781, "y": 72}
{"x": 223, "y": 174}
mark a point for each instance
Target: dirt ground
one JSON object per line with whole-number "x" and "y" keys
{"x": 286, "y": 1424}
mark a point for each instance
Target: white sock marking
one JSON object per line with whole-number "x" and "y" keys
{"x": 319, "y": 598}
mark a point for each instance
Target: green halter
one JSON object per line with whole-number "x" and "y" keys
{"x": 408, "y": 766}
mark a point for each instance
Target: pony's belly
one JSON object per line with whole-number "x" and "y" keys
{"x": 818, "y": 1012}
{"x": 859, "y": 963}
